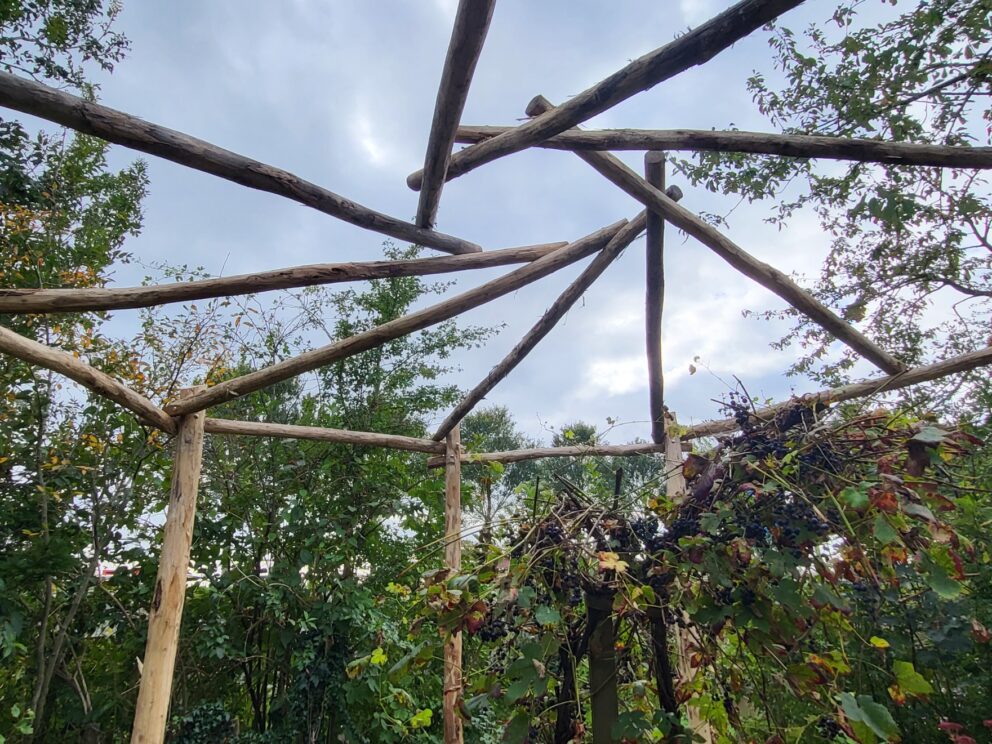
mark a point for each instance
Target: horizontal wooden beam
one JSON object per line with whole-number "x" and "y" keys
{"x": 767, "y": 276}
{"x": 411, "y": 323}
{"x": 467, "y": 37}
{"x": 117, "y": 298}
{"x": 115, "y": 126}
{"x": 863, "y": 389}
{"x": 690, "y": 49}
{"x": 320, "y": 434}
{"x": 543, "y": 326}
{"x": 758, "y": 143}
{"x": 86, "y": 375}
{"x": 539, "y": 453}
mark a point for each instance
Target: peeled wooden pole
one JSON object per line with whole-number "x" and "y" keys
{"x": 862, "y": 389}
{"x": 399, "y": 327}
{"x": 654, "y": 298}
{"x": 604, "y": 701}
{"x": 693, "y": 48}
{"x": 116, "y": 298}
{"x": 453, "y": 733}
{"x": 320, "y": 434}
{"x": 759, "y": 143}
{"x": 165, "y": 615}
{"x": 765, "y": 275}
{"x": 123, "y": 129}
{"x": 467, "y": 37}
{"x": 89, "y": 377}
{"x": 914, "y": 376}
{"x": 539, "y": 453}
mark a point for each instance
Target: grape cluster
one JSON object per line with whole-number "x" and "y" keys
{"x": 684, "y": 526}
{"x": 552, "y": 532}
{"x": 755, "y": 530}
{"x": 645, "y": 528}
{"x": 494, "y": 629}
{"x": 793, "y": 516}
{"x": 828, "y": 728}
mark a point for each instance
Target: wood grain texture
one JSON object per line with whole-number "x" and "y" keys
{"x": 89, "y": 377}
{"x": 115, "y": 126}
{"x": 166, "y": 612}
{"x": 117, "y": 298}
{"x": 758, "y": 143}
{"x": 539, "y": 453}
{"x": 654, "y": 298}
{"x": 862, "y": 389}
{"x": 410, "y": 323}
{"x": 543, "y": 326}
{"x": 467, "y": 37}
{"x": 693, "y": 48}
{"x": 453, "y": 732}
{"x": 320, "y": 434}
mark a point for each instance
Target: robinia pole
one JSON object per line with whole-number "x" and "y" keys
{"x": 453, "y": 732}
{"x": 165, "y": 615}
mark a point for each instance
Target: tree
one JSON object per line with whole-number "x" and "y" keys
{"x": 907, "y": 243}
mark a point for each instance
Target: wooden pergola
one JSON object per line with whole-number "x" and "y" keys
{"x": 548, "y": 127}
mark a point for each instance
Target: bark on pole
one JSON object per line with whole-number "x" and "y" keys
{"x": 14, "y": 300}
{"x": 758, "y": 143}
{"x": 467, "y": 37}
{"x": 84, "y": 116}
{"x": 410, "y": 323}
{"x": 675, "y": 491}
{"x": 603, "y": 696}
{"x": 654, "y": 298}
{"x": 453, "y": 733}
{"x": 165, "y": 615}
{"x": 697, "y": 46}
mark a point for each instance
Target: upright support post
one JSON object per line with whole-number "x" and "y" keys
{"x": 654, "y": 297}
{"x": 675, "y": 490}
{"x": 603, "y": 695}
{"x": 453, "y": 733}
{"x": 166, "y": 612}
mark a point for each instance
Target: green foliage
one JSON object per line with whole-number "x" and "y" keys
{"x": 904, "y": 240}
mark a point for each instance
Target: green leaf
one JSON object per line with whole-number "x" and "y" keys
{"x": 930, "y": 435}
{"x": 517, "y": 690}
{"x": 910, "y": 680}
{"x": 517, "y": 729}
{"x": 942, "y": 583}
{"x": 884, "y": 532}
{"x": 855, "y": 498}
{"x": 421, "y": 719}
{"x": 547, "y": 615}
{"x": 875, "y": 717}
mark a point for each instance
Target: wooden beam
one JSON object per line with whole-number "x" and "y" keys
{"x": 115, "y": 126}
{"x": 89, "y": 377}
{"x": 116, "y": 298}
{"x": 862, "y": 389}
{"x": 467, "y": 37}
{"x": 166, "y": 613}
{"x": 543, "y": 326}
{"x": 767, "y": 276}
{"x": 411, "y": 323}
{"x": 758, "y": 143}
{"x": 693, "y": 48}
{"x": 320, "y": 434}
{"x": 452, "y": 688}
{"x": 654, "y": 298}
{"x": 539, "y": 453}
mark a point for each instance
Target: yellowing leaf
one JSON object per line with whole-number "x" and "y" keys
{"x": 379, "y": 657}
{"x": 878, "y": 642}
{"x": 609, "y": 561}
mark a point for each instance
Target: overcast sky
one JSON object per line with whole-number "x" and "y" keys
{"x": 342, "y": 93}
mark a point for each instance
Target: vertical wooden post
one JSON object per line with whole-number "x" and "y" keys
{"x": 654, "y": 297}
{"x": 675, "y": 490}
{"x": 166, "y": 612}
{"x": 603, "y": 696}
{"x": 453, "y": 733}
